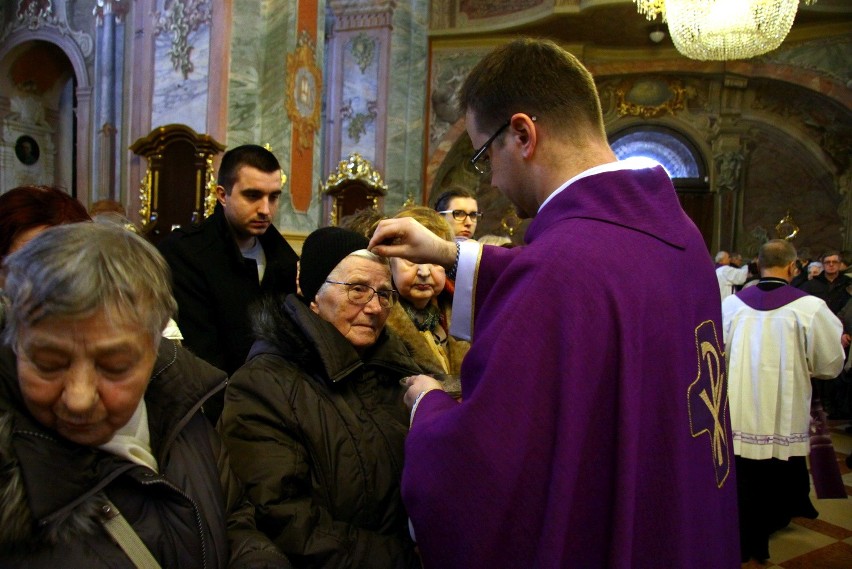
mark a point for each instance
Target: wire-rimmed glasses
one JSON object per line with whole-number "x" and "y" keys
{"x": 481, "y": 162}
{"x": 362, "y": 294}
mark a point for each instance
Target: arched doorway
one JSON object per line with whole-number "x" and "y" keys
{"x": 44, "y": 98}
{"x": 39, "y": 128}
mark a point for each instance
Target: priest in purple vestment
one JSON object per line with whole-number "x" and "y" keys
{"x": 593, "y": 429}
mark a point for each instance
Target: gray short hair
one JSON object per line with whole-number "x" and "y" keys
{"x": 776, "y": 253}
{"x": 74, "y": 270}
{"x": 367, "y": 254}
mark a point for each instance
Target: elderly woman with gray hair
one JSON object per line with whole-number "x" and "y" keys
{"x": 106, "y": 459}
{"x": 315, "y": 421}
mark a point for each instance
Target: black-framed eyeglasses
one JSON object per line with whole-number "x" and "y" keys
{"x": 362, "y": 294}
{"x": 460, "y": 214}
{"x": 481, "y": 162}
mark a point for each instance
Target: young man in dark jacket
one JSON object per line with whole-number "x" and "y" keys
{"x": 230, "y": 260}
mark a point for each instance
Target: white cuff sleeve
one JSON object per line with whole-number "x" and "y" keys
{"x": 462, "y": 323}
{"x": 416, "y": 403}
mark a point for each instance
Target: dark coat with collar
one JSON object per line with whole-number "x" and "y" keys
{"x": 214, "y": 286}
{"x": 190, "y": 514}
{"x": 834, "y": 292}
{"x": 316, "y": 433}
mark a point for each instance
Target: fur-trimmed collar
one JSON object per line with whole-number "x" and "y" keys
{"x": 15, "y": 520}
{"x": 19, "y": 534}
{"x": 400, "y": 323}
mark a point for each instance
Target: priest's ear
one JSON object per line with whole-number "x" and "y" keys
{"x": 792, "y": 270}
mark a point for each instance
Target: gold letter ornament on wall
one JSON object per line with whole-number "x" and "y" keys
{"x": 304, "y": 85}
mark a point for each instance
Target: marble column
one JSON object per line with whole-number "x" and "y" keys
{"x": 108, "y": 42}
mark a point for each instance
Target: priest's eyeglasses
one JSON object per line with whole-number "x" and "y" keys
{"x": 481, "y": 162}
{"x": 460, "y": 214}
{"x": 362, "y": 294}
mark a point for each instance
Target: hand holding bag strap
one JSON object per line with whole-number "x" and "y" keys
{"x": 128, "y": 540}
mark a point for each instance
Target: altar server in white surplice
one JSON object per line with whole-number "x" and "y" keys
{"x": 777, "y": 338}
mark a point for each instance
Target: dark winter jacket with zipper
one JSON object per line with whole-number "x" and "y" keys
{"x": 190, "y": 514}
{"x": 316, "y": 432}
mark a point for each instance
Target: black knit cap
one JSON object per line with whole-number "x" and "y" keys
{"x": 322, "y": 251}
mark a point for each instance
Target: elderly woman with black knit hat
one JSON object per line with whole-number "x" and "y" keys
{"x": 315, "y": 421}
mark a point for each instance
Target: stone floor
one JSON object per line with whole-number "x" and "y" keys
{"x": 826, "y": 542}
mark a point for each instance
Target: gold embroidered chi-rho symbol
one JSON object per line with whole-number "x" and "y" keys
{"x": 707, "y": 399}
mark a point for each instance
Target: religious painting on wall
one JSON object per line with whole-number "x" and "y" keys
{"x": 362, "y": 83}
{"x": 451, "y": 63}
{"x": 183, "y": 43}
{"x": 27, "y": 150}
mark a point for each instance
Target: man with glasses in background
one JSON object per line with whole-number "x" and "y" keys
{"x": 830, "y": 285}
{"x": 593, "y": 429}
{"x": 459, "y": 208}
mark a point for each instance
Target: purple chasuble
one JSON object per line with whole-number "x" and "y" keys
{"x": 594, "y": 428}
{"x": 770, "y": 299}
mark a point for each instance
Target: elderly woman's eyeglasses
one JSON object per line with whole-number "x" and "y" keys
{"x": 362, "y": 294}
{"x": 460, "y": 214}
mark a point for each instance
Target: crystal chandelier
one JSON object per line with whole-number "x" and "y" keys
{"x": 651, "y": 8}
{"x": 724, "y": 29}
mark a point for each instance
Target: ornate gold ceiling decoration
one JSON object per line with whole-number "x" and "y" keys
{"x": 648, "y": 98}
